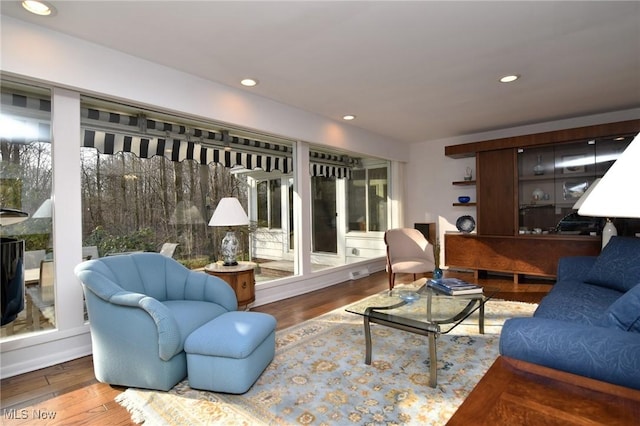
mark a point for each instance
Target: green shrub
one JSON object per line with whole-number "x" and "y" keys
{"x": 195, "y": 262}
{"x": 140, "y": 240}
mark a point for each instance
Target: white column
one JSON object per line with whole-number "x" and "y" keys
{"x": 67, "y": 208}
{"x": 302, "y": 209}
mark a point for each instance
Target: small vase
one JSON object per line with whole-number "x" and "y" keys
{"x": 538, "y": 168}
{"x": 437, "y": 273}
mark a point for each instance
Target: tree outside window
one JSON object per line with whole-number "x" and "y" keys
{"x": 269, "y": 204}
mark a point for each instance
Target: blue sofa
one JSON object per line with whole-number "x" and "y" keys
{"x": 589, "y": 323}
{"x": 145, "y": 308}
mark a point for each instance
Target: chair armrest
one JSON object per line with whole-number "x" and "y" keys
{"x": 169, "y": 338}
{"x": 601, "y": 353}
{"x": 219, "y": 291}
{"x": 208, "y": 288}
{"x": 125, "y": 298}
{"x": 575, "y": 267}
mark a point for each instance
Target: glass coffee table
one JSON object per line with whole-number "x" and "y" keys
{"x": 420, "y": 309}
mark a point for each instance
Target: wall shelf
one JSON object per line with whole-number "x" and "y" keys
{"x": 464, "y": 182}
{"x": 464, "y": 204}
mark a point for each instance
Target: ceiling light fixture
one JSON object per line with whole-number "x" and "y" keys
{"x": 41, "y": 8}
{"x": 349, "y": 117}
{"x": 509, "y": 78}
{"x": 249, "y": 82}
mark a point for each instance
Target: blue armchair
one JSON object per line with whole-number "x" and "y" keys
{"x": 142, "y": 307}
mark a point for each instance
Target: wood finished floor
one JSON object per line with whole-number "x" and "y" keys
{"x": 71, "y": 391}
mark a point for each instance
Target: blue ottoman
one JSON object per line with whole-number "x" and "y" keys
{"x": 229, "y": 353}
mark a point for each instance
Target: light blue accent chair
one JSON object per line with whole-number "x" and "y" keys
{"x": 142, "y": 307}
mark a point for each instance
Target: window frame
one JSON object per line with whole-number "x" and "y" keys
{"x": 272, "y": 204}
{"x": 367, "y": 197}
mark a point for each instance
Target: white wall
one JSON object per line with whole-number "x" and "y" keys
{"x": 429, "y": 192}
{"x": 32, "y": 51}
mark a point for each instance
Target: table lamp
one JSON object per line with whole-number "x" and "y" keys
{"x": 615, "y": 195}
{"x": 229, "y": 213}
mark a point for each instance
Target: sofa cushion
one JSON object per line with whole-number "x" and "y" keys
{"x": 576, "y": 301}
{"x": 624, "y": 313}
{"x": 618, "y": 265}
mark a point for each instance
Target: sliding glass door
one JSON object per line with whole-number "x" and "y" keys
{"x": 324, "y": 214}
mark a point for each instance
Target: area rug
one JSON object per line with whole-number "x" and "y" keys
{"x": 318, "y": 377}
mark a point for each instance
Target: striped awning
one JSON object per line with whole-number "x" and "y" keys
{"x": 140, "y": 124}
{"x": 327, "y": 170}
{"x": 25, "y": 119}
{"x": 112, "y": 132}
{"x": 180, "y": 150}
{"x": 329, "y": 165}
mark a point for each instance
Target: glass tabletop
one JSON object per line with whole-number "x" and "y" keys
{"x": 420, "y": 306}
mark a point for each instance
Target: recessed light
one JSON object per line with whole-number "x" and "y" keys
{"x": 41, "y": 8}
{"x": 509, "y": 78}
{"x": 249, "y": 82}
{"x": 349, "y": 117}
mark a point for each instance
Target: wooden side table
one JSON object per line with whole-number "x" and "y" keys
{"x": 241, "y": 278}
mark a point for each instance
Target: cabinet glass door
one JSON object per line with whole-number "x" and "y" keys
{"x": 552, "y": 178}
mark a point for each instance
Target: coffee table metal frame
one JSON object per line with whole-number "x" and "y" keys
{"x": 427, "y": 327}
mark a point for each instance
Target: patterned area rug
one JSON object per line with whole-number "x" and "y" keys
{"x": 319, "y": 377}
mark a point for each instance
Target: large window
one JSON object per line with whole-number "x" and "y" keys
{"x": 26, "y": 174}
{"x": 149, "y": 179}
{"x": 367, "y": 199}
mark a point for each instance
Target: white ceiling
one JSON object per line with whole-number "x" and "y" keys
{"x": 414, "y": 71}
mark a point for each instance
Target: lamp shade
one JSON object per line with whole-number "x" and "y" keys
{"x": 44, "y": 211}
{"x": 11, "y": 216}
{"x": 616, "y": 195}
{"x": 584, "y": 196}
{"x": 186, "y": 214}
{"x": 229, "y": 213}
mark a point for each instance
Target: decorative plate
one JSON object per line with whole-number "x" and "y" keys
{"x": 465, "y": 224}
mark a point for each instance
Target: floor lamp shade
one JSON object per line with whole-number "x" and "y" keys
{"x": 615, "y": 194}
{"x": 584, "y": 196}
{"x": 229, "y": 213}
{"x": 45, "y": 210}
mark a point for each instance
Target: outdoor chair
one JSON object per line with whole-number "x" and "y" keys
{"x": 32, "y": 258}
{"x": 168, "y": 249}
{"x": 90, "y": 252}
{"x": 41, "y": 296}
{"x": 408, "y": 252}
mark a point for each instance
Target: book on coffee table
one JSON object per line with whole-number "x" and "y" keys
{"x": 454, "y": 286}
